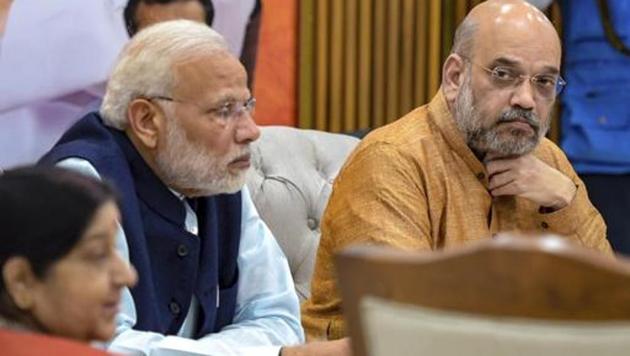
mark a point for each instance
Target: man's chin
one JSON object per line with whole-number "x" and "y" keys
{"x": 514, "y": 149}
{"x": 505, "y": 145}
{"x": 225, "y": 187}
{"x": 232, "y": 184}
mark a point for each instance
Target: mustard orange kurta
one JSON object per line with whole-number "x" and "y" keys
{"x": 415, "y": 184}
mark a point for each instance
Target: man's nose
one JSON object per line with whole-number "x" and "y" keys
{"x": 523, "y": 95}
{"x": 247, "y": 130}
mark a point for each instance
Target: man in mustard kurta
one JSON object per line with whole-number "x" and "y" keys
{"x": 470, "y": 164}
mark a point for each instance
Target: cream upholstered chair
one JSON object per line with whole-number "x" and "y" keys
{"x": 290, "y": 185}
{"x": 505, "y": 297}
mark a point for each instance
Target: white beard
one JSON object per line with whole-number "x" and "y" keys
{"x": 186, "y": 166}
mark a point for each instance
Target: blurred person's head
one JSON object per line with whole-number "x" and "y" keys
{"x": 502, "y": 77}
{"x": 182, "y": 99}
{"x": 140, "y": 14}
{"x": 61, "y": 273}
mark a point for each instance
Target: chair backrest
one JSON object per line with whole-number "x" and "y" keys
{"x": 506, "y": 296}
{"x": 290, "y": 184}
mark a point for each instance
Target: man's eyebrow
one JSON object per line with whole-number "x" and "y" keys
{"x": 227, "y": 99}
{"x": 550, "y": 70}
{"x": 504, "y": 61}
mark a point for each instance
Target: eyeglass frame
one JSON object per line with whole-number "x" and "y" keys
{"x": 248, "y": 106}
{"x": 558, "y": 87}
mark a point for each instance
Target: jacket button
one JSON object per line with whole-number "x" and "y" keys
{"x": 182, "y": 250}
{"x": 174, "y": 308}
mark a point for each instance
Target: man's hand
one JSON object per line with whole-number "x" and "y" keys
{"x": 320, "y": 348}
{"x": 530, "y": 178}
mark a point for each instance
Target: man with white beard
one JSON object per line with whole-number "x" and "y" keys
{"x": 472, "y": 163}
{"x": 173, "y": 136}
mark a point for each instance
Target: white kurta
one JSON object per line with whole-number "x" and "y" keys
{"x": 55, "y": 57}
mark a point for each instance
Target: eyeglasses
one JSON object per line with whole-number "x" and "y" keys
{"x": 225, "y": 112}
{"x": 546, "y": 85}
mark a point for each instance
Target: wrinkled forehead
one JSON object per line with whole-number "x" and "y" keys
{"x": 517, "y": 31}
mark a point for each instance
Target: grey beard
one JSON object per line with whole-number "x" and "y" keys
{"x": 483, "y": 140}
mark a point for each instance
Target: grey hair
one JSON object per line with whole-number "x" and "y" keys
{"x": 463, "y": 41}
{"x": 145, "y": 66}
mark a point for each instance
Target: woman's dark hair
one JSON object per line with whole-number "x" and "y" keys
{"x": 132, "y": 6}
{"x": 44, "y": 213}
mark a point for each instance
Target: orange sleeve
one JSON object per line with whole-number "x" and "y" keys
{"x": 376, "y": 199}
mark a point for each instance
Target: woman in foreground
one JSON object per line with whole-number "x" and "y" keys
{"x": 60, "y": 272}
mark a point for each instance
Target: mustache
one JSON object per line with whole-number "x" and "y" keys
{"x": 516, "y": 114}
{"x": 239, "y": 154}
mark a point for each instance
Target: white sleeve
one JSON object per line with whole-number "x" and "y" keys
{"x": 53, "y": 48}
{"x": 230, "y": 20}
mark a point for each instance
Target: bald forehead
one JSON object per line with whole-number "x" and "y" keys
{"x": 496, "y": 8}
{"x": 516, "y": 27}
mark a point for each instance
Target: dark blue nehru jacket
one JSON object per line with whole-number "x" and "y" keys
{"x": 173, "y": 265}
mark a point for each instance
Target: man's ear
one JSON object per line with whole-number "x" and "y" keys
{"x": 145, "y": 121}
{"x": 453, "y": 76}
{"x": 19, "y": 280}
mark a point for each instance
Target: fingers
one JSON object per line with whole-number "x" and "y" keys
{"x": 500, "y": 179}
{"x": 500, "y": 165}
{"x": 530, "y": 178}
{"x": 507, "y": 176}
{"x": 512, "y": 188}
{"x": 521, "y": 164}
